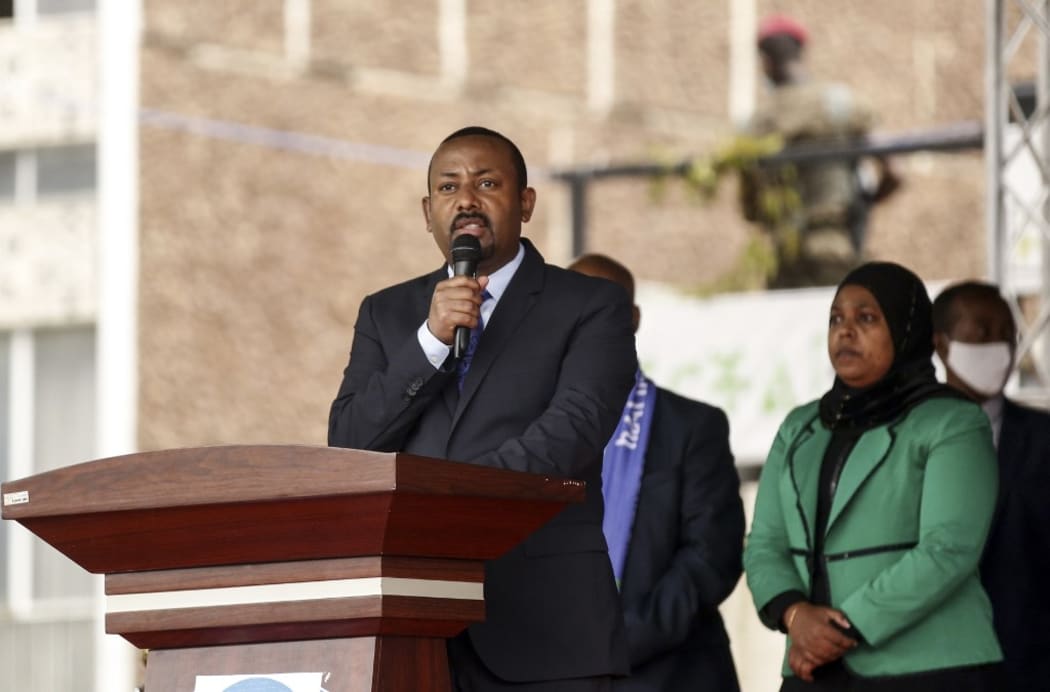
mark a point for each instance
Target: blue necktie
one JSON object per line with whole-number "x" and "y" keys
{"x": 472, "y": 345}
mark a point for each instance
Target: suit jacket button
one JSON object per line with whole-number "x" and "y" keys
{"x": 414, "y": 387}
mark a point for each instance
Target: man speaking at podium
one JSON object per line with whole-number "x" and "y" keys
{"x": 546, "y": 360}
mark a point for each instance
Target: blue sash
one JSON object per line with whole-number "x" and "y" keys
{"x": 622, "y": 468}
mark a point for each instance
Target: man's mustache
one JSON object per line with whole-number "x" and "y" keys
{"x": 458, "y": 220}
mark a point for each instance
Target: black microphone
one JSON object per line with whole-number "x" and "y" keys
{"x": 466, "y": 251}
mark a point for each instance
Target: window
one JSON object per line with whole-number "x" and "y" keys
{"x": 8, "y": 168}
{"x": 64, "y": 434}
{"x": 5, "y": 414}
{"x": 29, "y": 175}
{"x": 47, "y": 387}
{"x": 46, "y": 7}
{"x": 64, "y": 6}
{"x": 65, "y": 170}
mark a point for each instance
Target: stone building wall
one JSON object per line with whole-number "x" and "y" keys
{"x": 283, "y": 181}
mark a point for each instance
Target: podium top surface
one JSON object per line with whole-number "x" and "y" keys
{"x": 237, "y": 505}
{"x": 258, "y": 473}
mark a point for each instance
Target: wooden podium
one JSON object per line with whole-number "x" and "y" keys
{"x": 271, "y": 560}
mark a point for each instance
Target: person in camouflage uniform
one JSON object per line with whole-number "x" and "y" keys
{"x": 816, "y": 211}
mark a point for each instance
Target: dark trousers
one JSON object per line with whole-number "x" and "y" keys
{"x": 469, "y": 674}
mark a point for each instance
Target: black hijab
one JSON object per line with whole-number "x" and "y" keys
{"x": 911, "y": 378}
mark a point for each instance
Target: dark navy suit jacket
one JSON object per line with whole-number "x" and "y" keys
{"x": 684, "y": 557}
{"x": 544, "y": 392}
{"x": 1015, "y": 568}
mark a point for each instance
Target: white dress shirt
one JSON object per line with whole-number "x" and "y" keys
{"x": 993, "y": 408}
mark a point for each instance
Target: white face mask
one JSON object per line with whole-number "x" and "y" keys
{"x": 983, "y": 367}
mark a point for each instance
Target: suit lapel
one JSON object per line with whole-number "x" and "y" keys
{"x": 866, "y": 456}
{"x": 1013, "y": 444}
{"x": 451, "y": 396}
{"x": 521, "y": 294}
{"x": 804, "y": 459}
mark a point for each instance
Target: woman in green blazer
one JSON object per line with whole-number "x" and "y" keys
{"x": 873, "y": 508}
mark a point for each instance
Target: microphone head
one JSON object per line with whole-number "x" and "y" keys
{"x": 465, "y": 248}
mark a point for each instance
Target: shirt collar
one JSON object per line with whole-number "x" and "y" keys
{"x": 993, "y": 408}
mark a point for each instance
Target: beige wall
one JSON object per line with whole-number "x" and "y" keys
{"x": 254, "y": 258}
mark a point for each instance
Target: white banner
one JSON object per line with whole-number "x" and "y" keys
{"x": 754, "y": 355}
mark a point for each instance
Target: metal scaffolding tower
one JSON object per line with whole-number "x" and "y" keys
{"x": 1017, "y": 159}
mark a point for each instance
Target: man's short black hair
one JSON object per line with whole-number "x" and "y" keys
{"x": 781, "y": 48}
{"x": 944, "y": 307}
{"x": 478, "y": 131}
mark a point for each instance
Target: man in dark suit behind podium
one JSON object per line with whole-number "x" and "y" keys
{"x": 543, "y": 392}
{"x": 675, "y": 527}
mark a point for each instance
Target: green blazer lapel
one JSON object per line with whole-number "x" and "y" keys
{"x": 803, "y": 463}
{"x": 521, "y": 294}
{"x": 867, "y": 455}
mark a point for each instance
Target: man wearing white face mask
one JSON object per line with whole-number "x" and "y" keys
{"x": 975, "y": 337}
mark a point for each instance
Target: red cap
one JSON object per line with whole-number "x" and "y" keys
{"x": 781, "y": 24}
